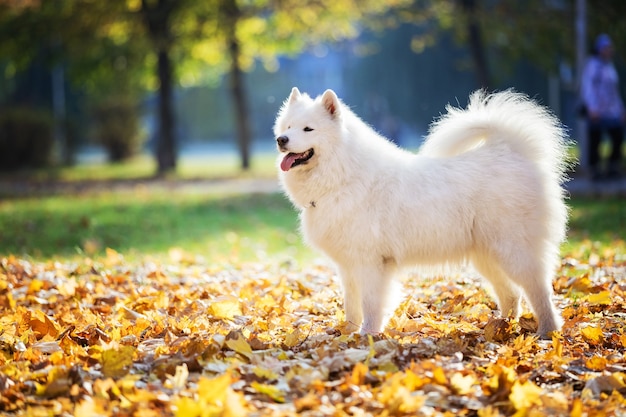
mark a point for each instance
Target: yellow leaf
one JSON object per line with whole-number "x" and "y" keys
{"x": 358, "y": 374}
{"x": 58, "y": 383}
{"x": 213, "y": 390}
{"x": 399, "y": 398}
{"x": 35, "y": 285}
{"x": 525, "y": 395}
{"x": 293, "y": 338}
{"x": 601, "y": 298}
{"x": 592, "y": 335}
{"x": 90, "y": 408}
{"x": 225, "y": 307}
{"x": 462, "y": 384}
{"x": 235, "y": 405}
{"x": 489, "y": 411}
{"x": 271, "y": 391}
{"x": 439, "y": 376}
{"x": 577, "y": 408}
{"x": 187, "y": 407}
{"x": 215, "y": 398}
{"x": 179, "y": 379}
{"x": 596, "y": 363}
{"x": 557, "y": 346}
{"x": 113, "y": 257}
{"x": 116, "y": 362}
{"x": 238, "y": 343}
{"x": 264, "y": 373}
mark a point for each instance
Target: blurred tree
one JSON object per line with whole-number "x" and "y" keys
{"x": 506, "y": 31}
{"x": 155, "y": 45}
{"x": 186, "y": 41}
{"x": 86, "y": 40}
{"x": 540, "y": 31}
{"x": 263, "y": 30}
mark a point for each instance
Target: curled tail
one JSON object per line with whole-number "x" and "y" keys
{"x": 510, "y": 117}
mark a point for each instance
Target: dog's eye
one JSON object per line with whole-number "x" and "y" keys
{"x": 308, "y": 129}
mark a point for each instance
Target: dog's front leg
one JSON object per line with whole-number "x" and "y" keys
{"x": 376, "y": 295}
{"x": 351, "y": 298}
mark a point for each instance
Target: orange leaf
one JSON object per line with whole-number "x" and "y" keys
{"x": 42, "y": 324}
{"x": 358, "y": 374}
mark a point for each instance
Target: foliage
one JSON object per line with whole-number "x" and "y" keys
{"x": 539, "y": 31}
{"x": 108, "y": 337}
{"x": 158, "y": 43}
{"x": 25, "y": 139}
{"x": 117, "y": 127}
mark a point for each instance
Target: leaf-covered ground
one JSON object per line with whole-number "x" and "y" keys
{"x": 184, "y": 338}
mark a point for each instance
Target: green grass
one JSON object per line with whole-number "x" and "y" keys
{"x": 144, "y": 166}
{"x": 596, "y": 224}
{"x": 219, "y": 227}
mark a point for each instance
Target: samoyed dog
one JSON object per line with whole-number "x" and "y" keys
{"x": 485, "y": 188}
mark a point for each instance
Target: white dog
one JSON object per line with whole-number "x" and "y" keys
{"x": 485, "y": 187}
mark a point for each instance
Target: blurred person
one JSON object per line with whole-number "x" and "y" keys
{"x": 603, "y": 108}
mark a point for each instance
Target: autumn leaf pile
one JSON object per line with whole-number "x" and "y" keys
{"x": 183, "y": 338}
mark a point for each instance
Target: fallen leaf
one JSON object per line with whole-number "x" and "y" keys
{"x": 592, "y": 335}
{"x": 497, "y": 330}
{"x": 237, "y": 342}
{"x": 117, "y": 361}
{"x": 225, "y": 307}
{"x": 596, "y": 363}
{"x": 463, "y": 384}
{"x": 271, "y": 391}
{"x": 525, "y": 395}
{"x": 601, "y": 298}
{"x": 606, "y": 384}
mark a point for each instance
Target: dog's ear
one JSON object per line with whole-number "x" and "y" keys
{"x": 331, "y": 102}
{"x": 295, "y": 94}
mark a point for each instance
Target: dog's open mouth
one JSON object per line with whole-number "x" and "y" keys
{"x": 294, "y": 159}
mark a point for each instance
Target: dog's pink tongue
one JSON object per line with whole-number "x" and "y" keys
{"x": 288, "y": 161}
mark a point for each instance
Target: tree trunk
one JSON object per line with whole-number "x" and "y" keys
{"x": 166, "y": 142}
{"x": 237, "y": 87}
{"x": 156, "y": 15}
{"x": 476, "y": 44}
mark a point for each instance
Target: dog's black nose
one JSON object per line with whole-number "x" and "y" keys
{"x": 282, "y": 140}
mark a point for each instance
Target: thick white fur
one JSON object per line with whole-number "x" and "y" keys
{"x": 485, "y": 188}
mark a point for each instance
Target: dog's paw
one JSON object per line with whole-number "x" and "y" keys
{"x": 347, "y": 328}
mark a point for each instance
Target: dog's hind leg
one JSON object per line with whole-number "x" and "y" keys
{"x": 507, "y": 293}
{"x": 532, "y": 273}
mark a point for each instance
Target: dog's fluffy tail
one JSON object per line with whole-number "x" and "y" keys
{"x": 527, "y": 128}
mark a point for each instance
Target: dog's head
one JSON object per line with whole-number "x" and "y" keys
{"x": 304, "y": 127}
